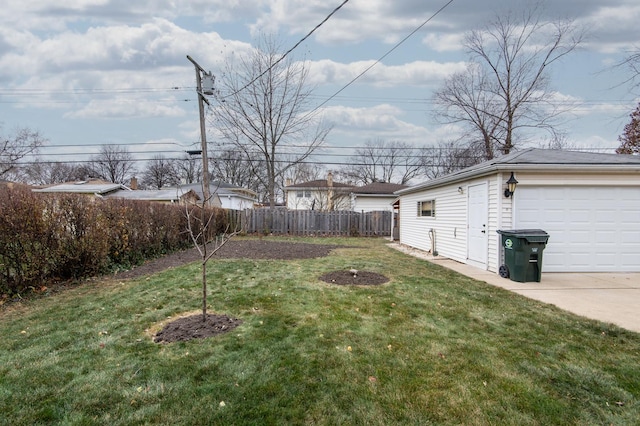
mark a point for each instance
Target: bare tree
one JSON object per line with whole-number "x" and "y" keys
{"x": 630, "y": 137}
{"x": 304, "y": 172}
{"x": 201, "y": 226}
{"x": 232, "y": 166}
{"x": 113, "y": 163}
{"x": 382, "y": 161}
{"x": 449, "y": 157}
{"x": 632, "y": 63}
{"x": 559, "y": 141}
{"x": 505, "y": 90}
{"x": 189, "y": 169}
{"x": 49, "y": 172}
{"x": 160, "y": 172}
{"x": 265, "y": 111}
{"x": 17, "y": 146}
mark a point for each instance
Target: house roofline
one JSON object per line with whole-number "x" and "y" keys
{"x": 365, "y": 194}
{"x": 503, "y": 164}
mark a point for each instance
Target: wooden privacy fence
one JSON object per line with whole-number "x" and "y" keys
{"x": 311, "y": 222}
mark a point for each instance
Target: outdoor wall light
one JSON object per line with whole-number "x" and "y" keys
{"x": 511, "y": 186}
{"x": 460, "y": 190}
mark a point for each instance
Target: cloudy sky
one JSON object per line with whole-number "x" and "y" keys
{"x": 92, "y": 72}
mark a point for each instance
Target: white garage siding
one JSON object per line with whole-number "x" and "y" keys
{"x": 592, "y": 229}
{"x": 497, "y": 204}
{"x": 449, "y": 223}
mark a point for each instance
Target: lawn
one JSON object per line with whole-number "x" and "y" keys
{"x": 428, "y": 347}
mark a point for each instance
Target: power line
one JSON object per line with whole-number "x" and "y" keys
{"x": 383, "y": 56}
{"x": 321, "y": 150}
{"x": 408, "y": 153}
{"x": 41, "y": 92}
{"x": 288, "y": 51}
{"x": 26, "y": 93}
{"x": 424, "y": 163}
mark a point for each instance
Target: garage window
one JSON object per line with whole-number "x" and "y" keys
{"x": 427, "y": 208}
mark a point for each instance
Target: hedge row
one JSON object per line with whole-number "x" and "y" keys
{"x": 45, "y": 238}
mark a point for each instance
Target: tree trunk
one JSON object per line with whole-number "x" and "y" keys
{"x": 204, "y": 291}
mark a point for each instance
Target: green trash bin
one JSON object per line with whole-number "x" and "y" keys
{"x": 523, "y": 249}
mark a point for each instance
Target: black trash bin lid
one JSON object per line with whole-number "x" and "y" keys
{"x": 522, "y": 232}
{"x": 531, "y": 235}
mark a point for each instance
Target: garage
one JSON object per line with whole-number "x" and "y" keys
{"x": 593, "y": 229}
{"x": 588, "y": 202}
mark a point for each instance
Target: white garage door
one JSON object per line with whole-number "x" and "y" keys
{"x": 591, "y": 229}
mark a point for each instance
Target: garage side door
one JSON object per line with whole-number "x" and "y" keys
{"x": 591, "y": 229}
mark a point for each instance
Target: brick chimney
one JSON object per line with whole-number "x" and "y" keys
{"x": 134, "y": 183}
{"x": 329, "y": 191}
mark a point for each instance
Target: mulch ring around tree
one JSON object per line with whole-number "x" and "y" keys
{"x": 351, "y": 278}
{"x": 193, "y": 327}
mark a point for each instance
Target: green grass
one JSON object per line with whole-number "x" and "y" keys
{"x": 429, "y": 347}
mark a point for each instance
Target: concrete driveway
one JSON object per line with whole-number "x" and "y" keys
{"x": 608, "y": 297}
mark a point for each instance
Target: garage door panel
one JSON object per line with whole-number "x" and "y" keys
{"x": 630, "y": 238}
{"x": 629, "y": 262}
{"x": 603, "y": 258}
{"x": 580, "y": 238}
{"x": 606, "y": 216}
{"x": 532, "y": 194}
{"x": 578, "y": 215}
{"x": 629, "y": 216}
{"x": 605, "y": 238}
{"x": 554, "y": 216}
{"x": 528, "y": 216}
{"x": 579, "y": 259}
{"x": 591, "y": 229}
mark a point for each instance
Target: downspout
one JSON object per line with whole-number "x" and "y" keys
{"x": 432, "y": 235}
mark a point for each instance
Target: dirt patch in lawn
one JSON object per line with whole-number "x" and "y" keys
{"x": 234, "y": 249}
{"x": 193, "y": 327}
{"x": 351, "y": 278}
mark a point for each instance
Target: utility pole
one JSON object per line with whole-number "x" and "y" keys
{"x": 206, "y": 191}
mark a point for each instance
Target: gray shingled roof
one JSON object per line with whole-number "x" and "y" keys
{"x": 320, "y": 183}
{"x": 560, "y": 157}
{"x": 535, "y": 159}
{"x": 221, "y": 189}
{"x": 85, "y": 187}
{"x": 379, "y": 188}
{"x": 150, "y": 194}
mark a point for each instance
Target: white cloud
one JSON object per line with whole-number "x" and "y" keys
{"x": 441, "y": 42}
{"x": 147, "y": 47}
{"x": 356, "y": 21}
{"x": 613, "y": 28}
{"x": 356, "y": 125}
{"x": 417, "y": 73}
{"x": 124, "y": 108}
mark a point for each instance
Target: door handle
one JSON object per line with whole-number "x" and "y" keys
{"x": 484, "y": 231}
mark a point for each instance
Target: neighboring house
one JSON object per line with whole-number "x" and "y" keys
{"x": 322, "y": 195}
{"x": 225, "y": 195}
{"x": 172, "y": 195}
{"x": 375, "y": 196}
{"x": 589, "y": 204}
{"x": 89, "y": 187}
